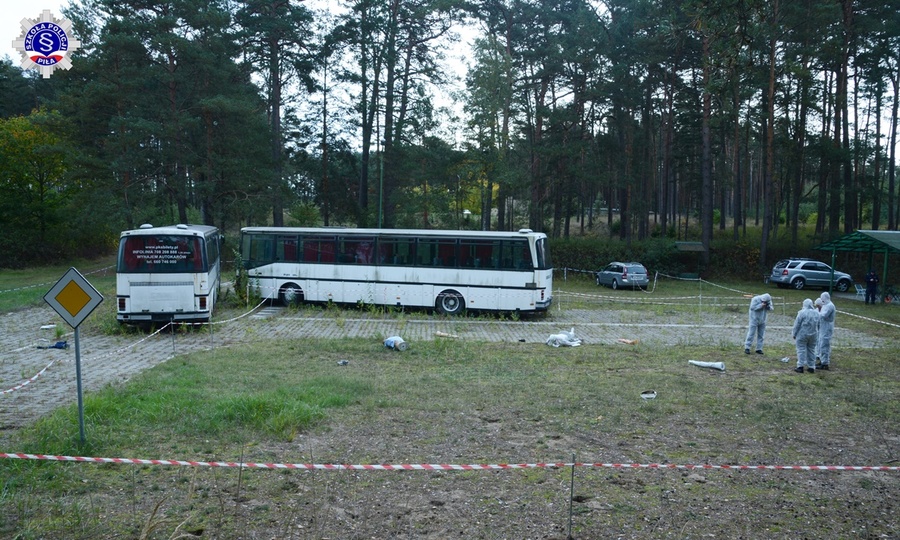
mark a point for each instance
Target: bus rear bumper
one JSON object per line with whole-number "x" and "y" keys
{"x": 198, "y": 316}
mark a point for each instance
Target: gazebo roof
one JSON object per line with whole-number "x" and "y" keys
{"x": 865, "y": 241}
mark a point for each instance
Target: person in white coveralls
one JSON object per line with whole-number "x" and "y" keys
{"x": 826, "y": 331}
{"x": 760, "y": 306}
{"x": 806, "y": 333}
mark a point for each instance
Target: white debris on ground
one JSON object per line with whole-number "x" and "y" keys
{"x": 564, "y": 339}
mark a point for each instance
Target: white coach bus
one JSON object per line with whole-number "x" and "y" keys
{"x": 450, "y": 271}
{"x": 167, "y": 273}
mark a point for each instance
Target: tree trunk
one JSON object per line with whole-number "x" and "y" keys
{"x": 877, "y": 180}
{"x": 850, "y": 188}
{"x": 767, "y": 183}
{"x": 706, "y": 201}
{"x": 535, "y": 219}
{"x": 892, "y": 168}
{"x": 799, "y": 167}
{"x": 824, "y": 161}
{"x": 834, "y": 192}
{"x": 275, "y": 111}
{"x": 737, "y": 160}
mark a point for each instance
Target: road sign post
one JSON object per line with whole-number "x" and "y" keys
{"x": 74, "y": 299}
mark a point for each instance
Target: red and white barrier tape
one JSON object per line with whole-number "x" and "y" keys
{"x": 52, "y": 282}
{"x": 440, "y": 467}
{"x": 868, "y": 318}
{"x": 23, "y": 384}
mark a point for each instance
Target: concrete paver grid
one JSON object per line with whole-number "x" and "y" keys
{"x": 115, "y": 359}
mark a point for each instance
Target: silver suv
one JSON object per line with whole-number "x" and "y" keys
{"x": 801, "y": 273}
{"x": 618, "y": 274}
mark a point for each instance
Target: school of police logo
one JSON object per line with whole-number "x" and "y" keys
{"x": 45, "y": 44}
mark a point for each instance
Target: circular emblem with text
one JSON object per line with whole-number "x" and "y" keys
{"x": 45, "y": 43}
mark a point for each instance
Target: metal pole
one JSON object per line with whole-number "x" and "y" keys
{"x": 379, "y": 148}
{"x": 571, "y": 498}
{"x": 701, "y": 294}
{"x": 831, "y": 275}
{"x": 78, "y": 382}
{"x": 380, "y": 188}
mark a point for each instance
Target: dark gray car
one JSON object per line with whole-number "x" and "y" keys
{"x": 632, "y": 275}
{"x": 801, "y": 273}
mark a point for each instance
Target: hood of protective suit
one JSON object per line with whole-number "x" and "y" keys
{"x": 825, "y": 297}
{"x": 819, "y": 302}
{"x": 807, "y": 304}
{"x": 767, "y": 298}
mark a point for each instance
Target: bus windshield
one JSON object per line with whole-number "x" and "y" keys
{"x": 161, "y": 253}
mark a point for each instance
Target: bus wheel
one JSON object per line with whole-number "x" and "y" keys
{"x": 450, "y": 302}
{"x": 291, "y": 295}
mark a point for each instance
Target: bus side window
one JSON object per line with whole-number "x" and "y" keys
{"x": 327, "y": 252}
{"x": 197, "y": 256}
{"x": 485, "y": 255}
{"x": 310, "y": 251}
{"x": 346, "y": 251}
{"x": 385, "y": 253}
{"x": 287, "y": 248}
{"x": 364, "y": 252}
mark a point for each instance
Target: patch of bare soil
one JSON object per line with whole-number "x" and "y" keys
{"x": 536, "y": 503}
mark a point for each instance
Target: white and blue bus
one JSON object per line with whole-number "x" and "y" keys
{"x": 450, "y": 271}
{"x": 167, "y": 273}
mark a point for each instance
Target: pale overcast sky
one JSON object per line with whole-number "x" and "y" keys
{"x": 13, "y": 11}
{"x": 11, "y": 14}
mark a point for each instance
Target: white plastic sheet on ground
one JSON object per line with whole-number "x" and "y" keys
{"x": 564, "y": 339}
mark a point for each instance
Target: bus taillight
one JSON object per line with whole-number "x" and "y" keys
{"x": 202, "y": 303}
{"x": 121, "y": 304}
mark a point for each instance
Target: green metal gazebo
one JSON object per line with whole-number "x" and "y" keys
{"x": 870, "y": 242}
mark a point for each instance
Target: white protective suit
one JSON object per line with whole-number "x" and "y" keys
{"x": 826, "y": 328}
{"x": 806, "y": 331}
{"x": 760, "y": 306}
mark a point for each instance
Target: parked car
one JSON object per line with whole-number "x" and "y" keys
{"x": 623, "y": 274}
{"x": 800, "y": 273}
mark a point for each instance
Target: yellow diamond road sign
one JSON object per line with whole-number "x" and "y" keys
{"x": 73, "y": 298}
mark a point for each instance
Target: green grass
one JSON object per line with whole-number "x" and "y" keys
{"x": 232, "y": 395}
{"x": 27, "y": 287}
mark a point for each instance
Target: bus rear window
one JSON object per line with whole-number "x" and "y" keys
{"x": 543, "y": 254}
{"x": 164, "y": 254}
